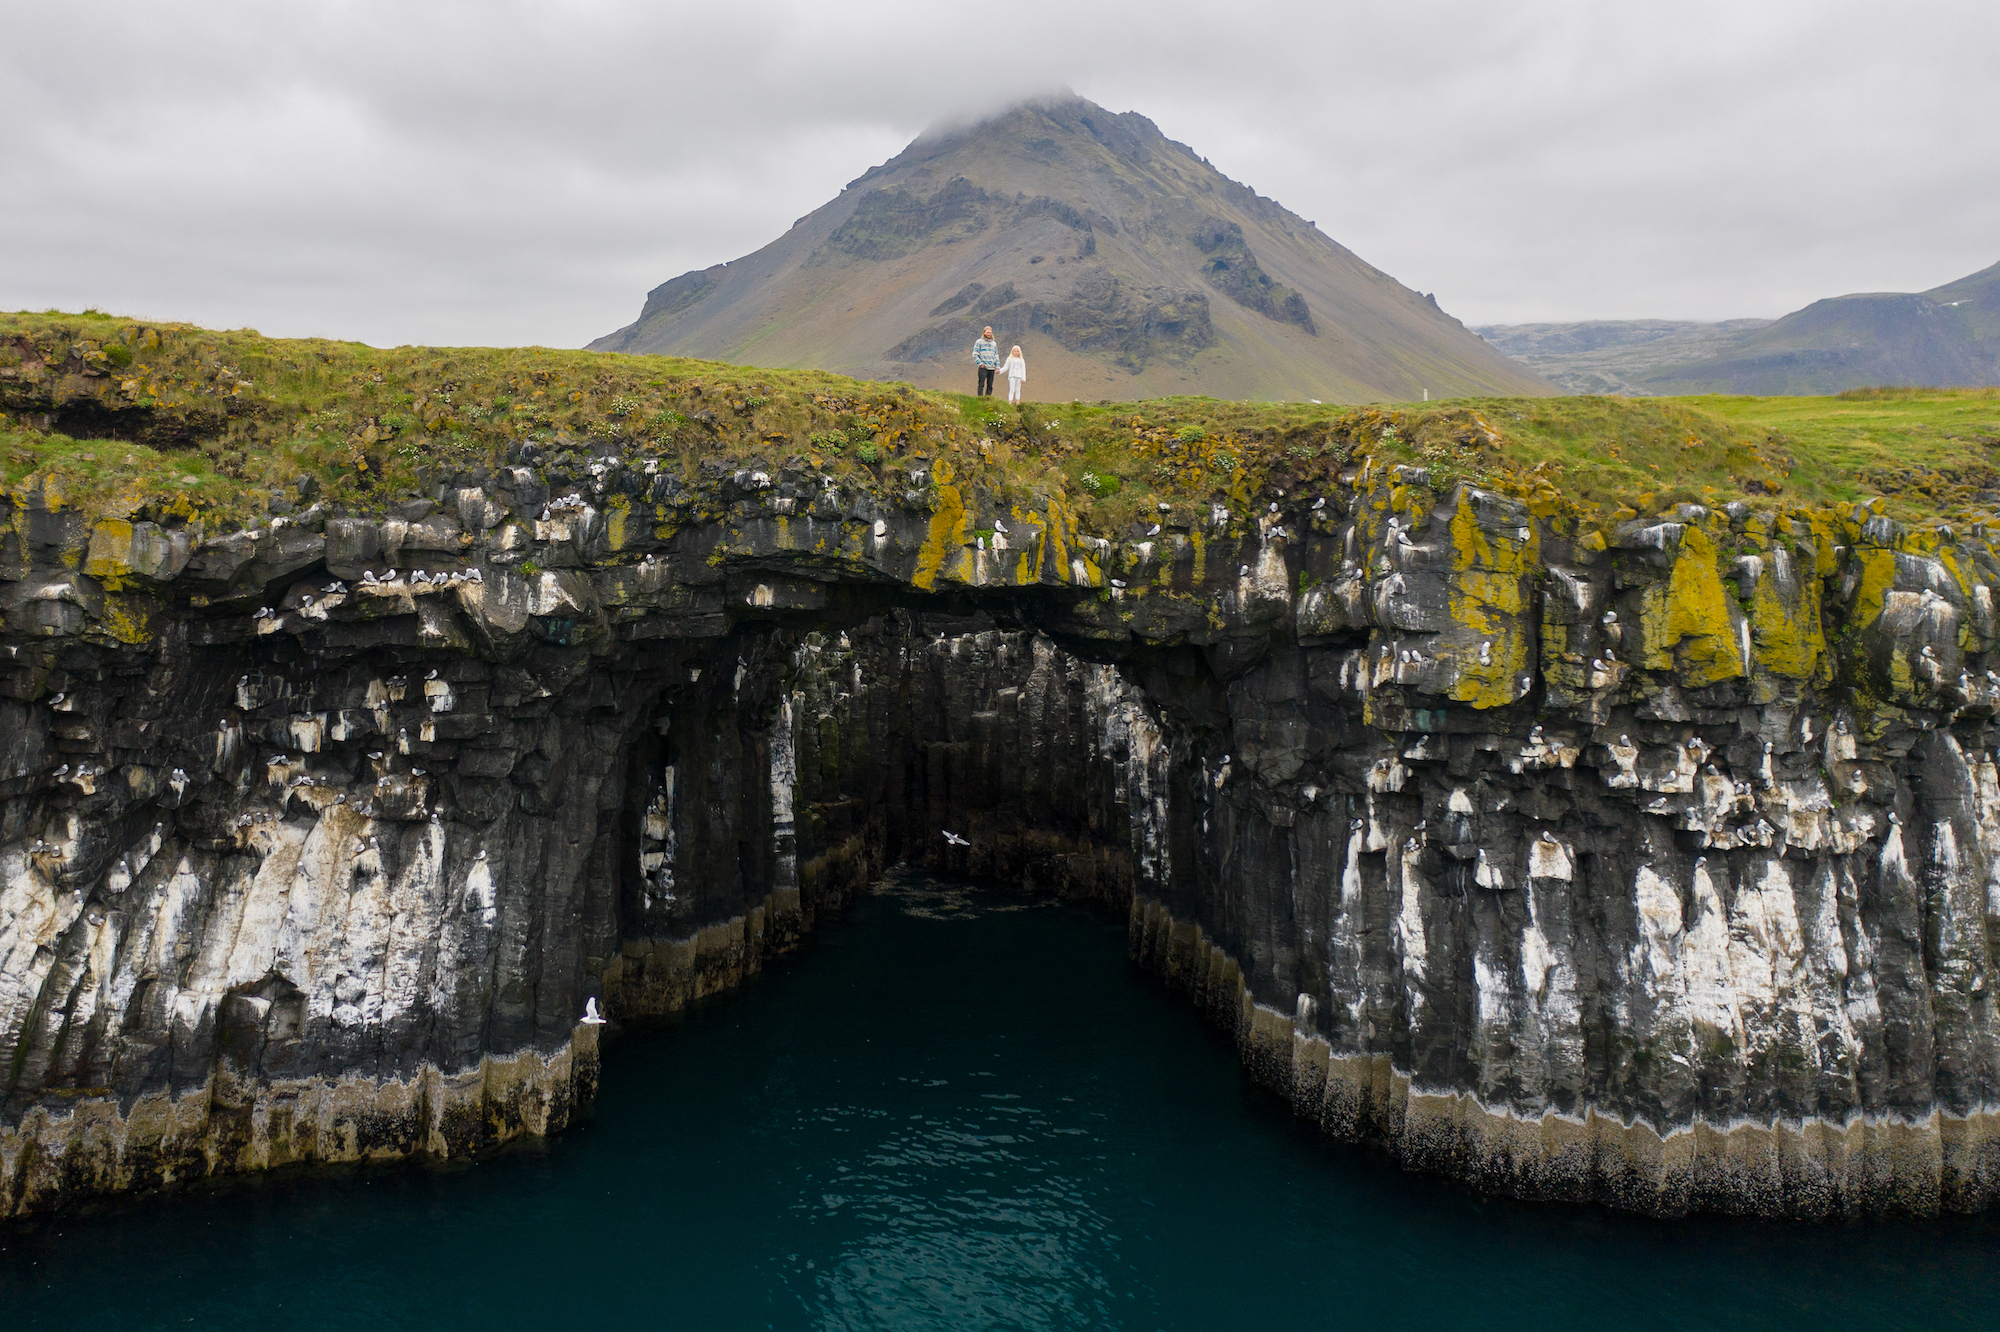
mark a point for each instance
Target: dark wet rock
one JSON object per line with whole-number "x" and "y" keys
{"x": 1657, "y": 871}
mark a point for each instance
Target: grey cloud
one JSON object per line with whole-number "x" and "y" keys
{"x": 522, "y": 173}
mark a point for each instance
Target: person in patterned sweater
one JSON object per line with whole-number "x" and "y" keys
{"x": 986, "y": 355}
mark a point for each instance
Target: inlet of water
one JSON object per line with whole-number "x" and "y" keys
{"x": 957, "y": 1109}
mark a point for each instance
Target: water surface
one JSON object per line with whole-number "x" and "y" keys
{"x": 954, "y": 1110}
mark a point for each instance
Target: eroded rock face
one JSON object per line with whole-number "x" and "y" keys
{"x": 1657, "y": 869}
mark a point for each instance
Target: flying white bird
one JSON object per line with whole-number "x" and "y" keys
{"x": 591, "y": 1017}
{"x": 953, "y": 839}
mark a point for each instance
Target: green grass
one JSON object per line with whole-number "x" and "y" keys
{"x": 230, "y": 417}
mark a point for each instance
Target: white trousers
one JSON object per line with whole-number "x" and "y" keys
{"x": 1013, "y": 389}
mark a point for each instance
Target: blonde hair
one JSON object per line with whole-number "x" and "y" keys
{"x": 1016, "y": 351}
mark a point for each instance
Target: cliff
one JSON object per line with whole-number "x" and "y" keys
{"x": 1582, "y": 855}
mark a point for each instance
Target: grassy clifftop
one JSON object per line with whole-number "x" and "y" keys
{"x": 218, "y": 427}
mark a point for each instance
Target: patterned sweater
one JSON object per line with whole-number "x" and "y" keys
{"x": 986, "y": 353}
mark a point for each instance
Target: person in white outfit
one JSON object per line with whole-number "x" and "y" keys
{"x": 1016, "y": 370}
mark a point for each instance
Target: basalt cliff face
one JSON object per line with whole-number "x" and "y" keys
{"x": 1656, "y": 869}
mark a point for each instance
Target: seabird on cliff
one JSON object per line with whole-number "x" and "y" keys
{"x": 953, "y": 839}
{"x": 591, "y": 1017}
{"x": 263, "y": 613}
{"x": 368, "y": 576}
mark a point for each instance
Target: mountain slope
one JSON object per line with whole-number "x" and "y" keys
{"x": 1124, "y": 264}
{"x": 1612, "y": 355}
{"x": 1947, "y": 337}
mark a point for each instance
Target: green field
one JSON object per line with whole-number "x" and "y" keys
{"x": 99, "y": 411}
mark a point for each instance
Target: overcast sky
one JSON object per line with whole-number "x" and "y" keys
{"x": 491, "y": 172}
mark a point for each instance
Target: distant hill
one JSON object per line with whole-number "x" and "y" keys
{"x": 1947, "y": 337}
{"x": 1122, "y": 262}
{"x": 1613, "y": 355}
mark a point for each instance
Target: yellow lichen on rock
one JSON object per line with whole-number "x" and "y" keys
{"x": 1786, "y": 636}
{"x": 129, "y": 619}
{"x": 1688, "y": 624}
{"x": 1489, "y": 602}
{"x": 1878, "y": 576}
{"x": 948, "y": 529}
{"x": 618, "y": 523}
{"x": 109, "y": 557}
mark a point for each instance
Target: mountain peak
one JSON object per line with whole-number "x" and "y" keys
{"x": 1123, "y": 263}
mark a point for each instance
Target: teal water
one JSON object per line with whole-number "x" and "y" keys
{"x": 954, "y": 1110}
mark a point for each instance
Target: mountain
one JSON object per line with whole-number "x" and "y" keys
{"x": 1946, "y": 337}
{"x": 1122, "y": 262}
{"x": 1613, "y": 355}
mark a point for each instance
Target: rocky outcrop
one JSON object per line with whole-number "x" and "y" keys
{"x": 1652, "y": 864}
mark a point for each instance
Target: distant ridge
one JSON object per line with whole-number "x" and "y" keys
{"x": 1123, "y": 263}
{"x": 1947, "y": 337}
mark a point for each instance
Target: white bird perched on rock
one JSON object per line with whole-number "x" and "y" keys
{"x": 57, "y": 701}
{"x": 368, "y": 577}
{"x": 1155, "y": 531}
{"x": 1319, "y": 503}
{"x": 591, "y": 1017}
{"x": 432, "y": 676}
{"x": 375, "y": 754}
{"x": 263, "y": 613}
{"x": 474, "y": 576}
{"x": 999, "y": 526}
{"x": 953, "y": 839}
{"x": 335, "y": 589}
{"x": 416, "y": 772}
